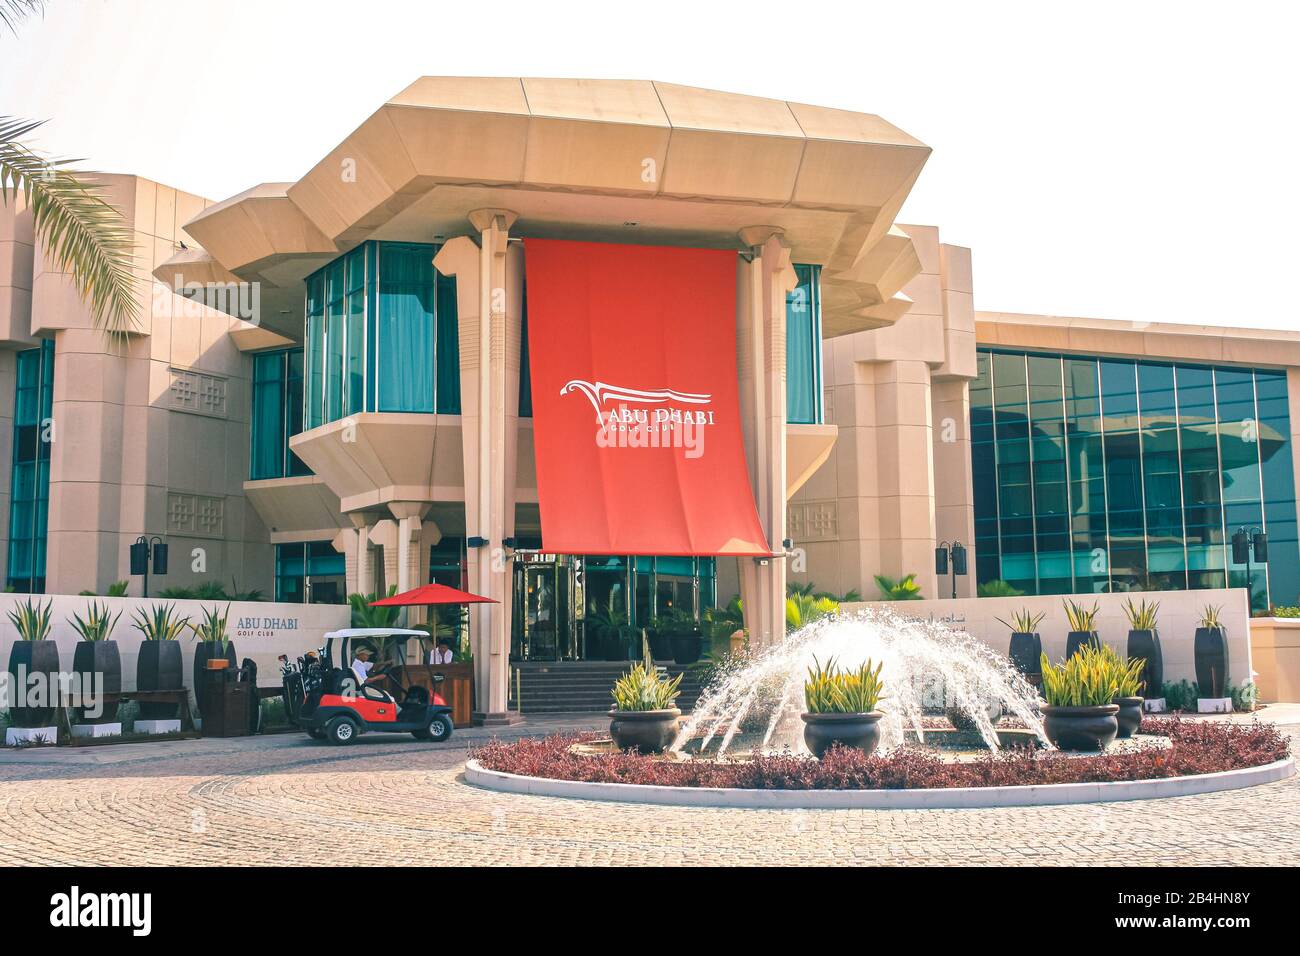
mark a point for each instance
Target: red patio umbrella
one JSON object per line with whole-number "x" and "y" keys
{"x": 432, "y": 595}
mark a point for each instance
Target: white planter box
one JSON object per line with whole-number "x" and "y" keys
{"x": 1154, "y": 705}
{"x": 19, "y": 736}
{"x": 157, "y": 726}
{"x": 97, "y": 730}
{"x": 1214, "y": 705}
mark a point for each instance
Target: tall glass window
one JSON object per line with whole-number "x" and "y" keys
{"x": 30, "y": 484}
{"x": 803, "y": 348}
{"x": 277, "y": 414}
{"x": 1100, "y": 474}
{"x": 381, "y": 335}
{"x": 309, "y": 572}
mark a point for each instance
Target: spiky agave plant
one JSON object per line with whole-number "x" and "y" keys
{"x": 1080, "y": 617}
{"x": 829, "y": 690}
{"x": 1210, "y": 616}
{"x": 1087, "y": 679}
{"x": 212, "y": 629}
{"x": 159, "y": 623}
{"x": 1141, "y": 617}
{"x": 1128, "y": 673}
{"x": 32, "y": 620}
{"x": 643, "y": 688}
{"x": 1023, "y": 621}
{"x": 98, "y": 623}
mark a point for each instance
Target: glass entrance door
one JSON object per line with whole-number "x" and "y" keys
{"x": 543, "y": 629}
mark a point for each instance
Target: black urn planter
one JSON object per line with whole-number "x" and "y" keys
{"x": 158, "y": 667}
{"x": 205, "y": 651}
{"x": 1146, "y": 645}
{"x": 34, "y": 657}
{"x": 1081, "y": 728}
{"x": 645, "y": 731}
{"x": 686, "y": 647}
{"x": 1026, "y": 653}
{"x": 661, "y": 646}
{"x": 1077, "y": 639}
{"x": 1211, "y": 650}
{"x": 1129, "y": 716}
{"x": 823, "y": 731}
{"x": 98, "y": 657}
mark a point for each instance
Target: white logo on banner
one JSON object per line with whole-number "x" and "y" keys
{"x": 678, "y": 421}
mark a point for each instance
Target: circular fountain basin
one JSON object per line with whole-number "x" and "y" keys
{"x": 934, "y": 799}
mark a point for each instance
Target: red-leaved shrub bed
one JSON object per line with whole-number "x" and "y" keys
{"x": 1196, "y": 748}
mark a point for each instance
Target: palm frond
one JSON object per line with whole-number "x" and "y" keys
{"x": 11, "y": 11}
{"x": 83, "y": 233}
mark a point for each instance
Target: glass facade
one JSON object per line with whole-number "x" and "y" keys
{"x": 310, "y": 572}
{"x": 803, "y": 348}
{"x": 277, "y": 414}
{"x": 1100, "y": 474}
{"x": 381, "y": 335}
{"x": 29, "y": 503}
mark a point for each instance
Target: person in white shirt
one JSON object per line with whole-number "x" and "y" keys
{"x": 441, "y": 654}
{"x": 361, "y": 664}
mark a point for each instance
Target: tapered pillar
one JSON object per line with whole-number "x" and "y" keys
{"x": 765, "y": 278}
{"x": 489, "y": 299}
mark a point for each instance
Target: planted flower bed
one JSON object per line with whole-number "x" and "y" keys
{"x": 1195, "y": 748}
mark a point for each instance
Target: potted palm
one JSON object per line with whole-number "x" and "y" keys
{"x": 644, "y": 717}
{"x": 903, "y": 589}
{"x": 683, "y": 635}
{"x": 1082, "y": 627}
{"x": 158, "y": 666}
{"x": 34, "y": 674}
{"x": 1081, "y": 713}
{"x": 1128, "y": 695}
{"x": 1144, "y": 644}
{"x": 1211, "y": 652}
{"x": 1026, "y": 646}
{"x": 98, "y": 665}
{"x": 841, "y": 707}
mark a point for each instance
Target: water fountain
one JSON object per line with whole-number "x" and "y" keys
{"x": 928, "y": 665}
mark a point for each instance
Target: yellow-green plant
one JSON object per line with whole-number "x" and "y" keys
{"x": 160, "y": 622}
{"x": 801, "y": 609}
{"x": 1128, "y": 673}
{"x": 829, "y": 690}
{"x": 1080, "y": 617}
{"x": 1023, "y": 621}
{"x": 212, "y": 629}
{"x": 1210, "y": 616}
{"x": 1087, "y": 679}
{"x": 1141, "y": 617}
{"x": 32, "y": 620}
{"x": 98, "y": 623}
{"x": 644, "y": 687}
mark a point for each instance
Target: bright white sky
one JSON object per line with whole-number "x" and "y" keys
{"x": 1128, "y": 160}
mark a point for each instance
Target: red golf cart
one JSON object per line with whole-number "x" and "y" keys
{"x": 334, "y": 705}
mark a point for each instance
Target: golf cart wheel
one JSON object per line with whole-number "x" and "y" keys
{"x": 316, "y": 734}
{"x": 341, "y": 730}
{"x": 439, "y": 728}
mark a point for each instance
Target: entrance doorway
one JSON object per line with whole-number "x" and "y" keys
{"x": 544, "y": 609}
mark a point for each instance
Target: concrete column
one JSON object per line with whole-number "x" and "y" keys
{"x": 361, "y": 561}
{"x": 489, "y": 284}
{"x": 384, "y": 534}
{"x": 764, "y": 282}
{"x": 954, "y": 503}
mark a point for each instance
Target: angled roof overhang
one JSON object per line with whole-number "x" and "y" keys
{"x": 614, "y": 160}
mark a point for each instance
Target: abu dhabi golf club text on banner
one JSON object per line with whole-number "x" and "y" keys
{"x": 636, "y": 410}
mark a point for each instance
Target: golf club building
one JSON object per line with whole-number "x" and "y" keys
{"x": 602, "y": 349}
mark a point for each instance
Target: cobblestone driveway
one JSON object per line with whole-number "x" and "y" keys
{"x": 285, "y": 800}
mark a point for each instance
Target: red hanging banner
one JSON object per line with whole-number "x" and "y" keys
{"x": 636, "y": 410}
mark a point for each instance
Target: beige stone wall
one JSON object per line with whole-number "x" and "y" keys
{"x": 898, "y": 479}
{"x": 151, "y": 436}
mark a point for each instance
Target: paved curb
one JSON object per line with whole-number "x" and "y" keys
{"x": 937, "y": 799}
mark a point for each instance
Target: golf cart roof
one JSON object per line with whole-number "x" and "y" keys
{"x": 375, "y": 632}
